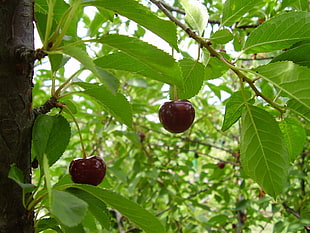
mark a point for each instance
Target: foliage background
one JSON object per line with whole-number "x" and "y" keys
{"x": 175, "y": 177}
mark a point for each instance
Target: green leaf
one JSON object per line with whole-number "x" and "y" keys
{"x": 117, "y": 105}
{"x": 196, "y": 15}
{"x": 296, "y": 4}
{"x": 96, "y": 206}
{"x": 50, "y": 136}
{"x": 140, "y": 217}
{"x": 299, "y": 55}
{"x": 142, "y": 15}
{"x": 218, "y": 219}
{"x": 263, "y": 152}
{"x": 293, "y": 81}
{"x": 235, "y": 9}
{"x": 17, "y": 175}
{"x": 281, "y": 31}
{"x": 76, "y": 229}
{"x": 215, "y": 68}
{"x": 41, "y": 12}
{"x": 96, "y": 23}
{"x": 233, "y": 109}
{"x": 124, "y": 62}
{"x": 109, "y": 80}
{"x": 222, "y": 36}
{"x": 47, "y": 223}
{"x": 294, "y": 136}
{"x": 57, "y": 61}
{"x": 193, "y": 76}
{"x": 67, "y": 208}
{"x": 148, "y": 54}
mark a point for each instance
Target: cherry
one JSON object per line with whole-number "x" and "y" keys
{"x": 89, "y": 170}
{"x": 142, "y": 136}
{"x": 177, "y": 116}
{"x": 221, "y": 164}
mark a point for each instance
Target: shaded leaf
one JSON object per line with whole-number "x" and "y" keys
{"x": 281, "y": 31}
{"x": 67, "y": 208}
{"x": 57, "y": 61}
{"x": 263, "y": 152}
{"x": 140, "y": 217}
{"x": 96, "y": 207}
{"x": 294, "y": 136}
{"x": 196, "y": 15}
{"x": 47, "y": 223}
{"x": 50, "y": 136}
{"x": 233, "y": 109}
{"x": 17, "y": 175}
{"x": 299, "y": 55}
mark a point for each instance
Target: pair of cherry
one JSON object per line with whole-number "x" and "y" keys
{"x": 176, "y": 116}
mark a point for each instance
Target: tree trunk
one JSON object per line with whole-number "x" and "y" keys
{"x": 16, "y": 118}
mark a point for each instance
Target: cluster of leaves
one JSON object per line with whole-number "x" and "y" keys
{"x": 261, "y": 139}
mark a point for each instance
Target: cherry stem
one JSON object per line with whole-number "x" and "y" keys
{"x": 175, "y": 94}
{"x": 79, "y": 131}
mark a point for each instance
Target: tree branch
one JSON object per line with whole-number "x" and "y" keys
{"x": 290, "y": 210}
{"x": 207, "y": 45}
{"x": 47, "y": 106}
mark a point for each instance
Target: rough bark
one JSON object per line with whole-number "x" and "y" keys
{"x": 16, "y": 118}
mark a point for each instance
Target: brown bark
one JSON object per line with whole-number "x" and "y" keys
{"x": 16, "y": 118}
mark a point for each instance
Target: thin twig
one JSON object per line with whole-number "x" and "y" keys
{"x": 290, "y": 210}
{"x": 172, "y": 8}
{"x": 207, "y": 45}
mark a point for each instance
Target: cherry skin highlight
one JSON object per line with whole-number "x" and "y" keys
{"x": 89, "y": 170}
{"x": 177, "y": 116}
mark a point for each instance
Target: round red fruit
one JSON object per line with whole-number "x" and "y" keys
{"x": 221, "y": 164}
{"x": 177, "y": 116}
{"x": 89, "y": 170}
{"x": 142, "y": 136}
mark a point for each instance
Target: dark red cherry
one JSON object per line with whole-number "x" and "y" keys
{"x": 142, "y": 136}
{"x": 89, "y": 170}
{"x": 177, "y": 116}
{"x": 221, "y": 164}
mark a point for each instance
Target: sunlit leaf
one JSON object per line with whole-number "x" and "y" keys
{"x": 147, "y": 54}
{"x": 293, "y": 81}
{"x": 142, "y": 15}
{"x": 122, "y": 61}
{"x": 235, "y": 9}
{"x": 109, "y": 80}
{"x": 193, "y": 76}
{"x": 222, "y": 36}
{"x": 196, "y": 15}
{"x": 117, "y": 105}
{"x": 280, "y": 32}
